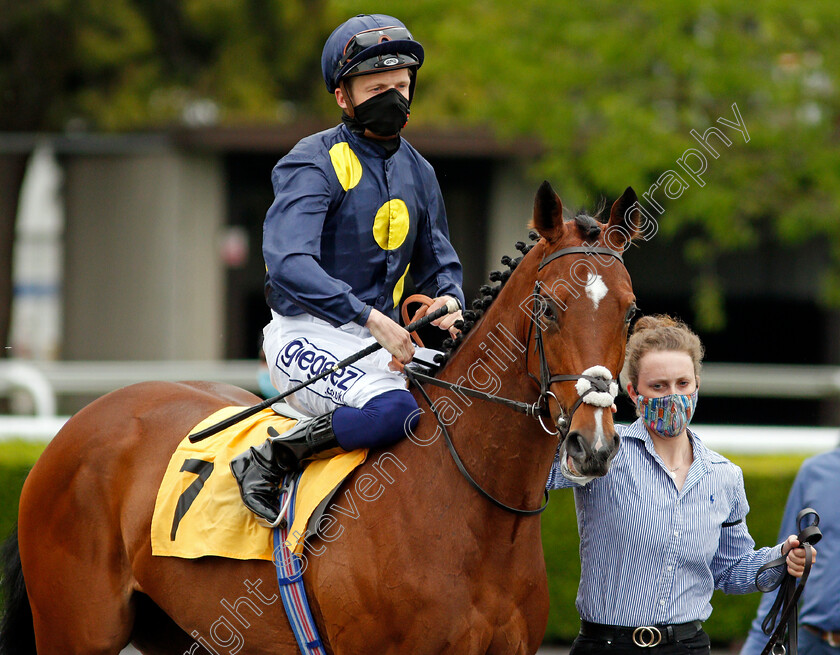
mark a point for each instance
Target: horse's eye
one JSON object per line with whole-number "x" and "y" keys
{"x": 631, "y": 312}
{"x": 547, "y": 308}
{"x": 548, "y": 312}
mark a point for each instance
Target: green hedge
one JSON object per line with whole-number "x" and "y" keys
{"x": 767, "y": 480}
{"x": 16, "y": 458}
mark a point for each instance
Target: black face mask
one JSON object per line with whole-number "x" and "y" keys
{"x": 385, "y": 114}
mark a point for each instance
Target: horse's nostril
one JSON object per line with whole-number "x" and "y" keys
{"x": 606, "y": 453}
{"x": 574, "y": 445}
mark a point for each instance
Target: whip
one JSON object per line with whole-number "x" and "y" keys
{"x": 451, "y": 305}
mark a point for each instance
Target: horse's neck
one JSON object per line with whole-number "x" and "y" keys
{"x": 505, "y": 451}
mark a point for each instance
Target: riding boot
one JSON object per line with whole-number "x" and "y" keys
{"x": 259, "y": 471}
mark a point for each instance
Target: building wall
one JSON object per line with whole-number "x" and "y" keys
{"x": 143, "y": 278}
{"x": 511, "y": 210}
{"x": 12, "y": 166}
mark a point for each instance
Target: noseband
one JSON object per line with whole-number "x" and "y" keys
{"x": 594, "y": 386}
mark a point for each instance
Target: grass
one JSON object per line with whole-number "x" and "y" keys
{"x": 18, "y": 452}
{"x": 767, "y": 464}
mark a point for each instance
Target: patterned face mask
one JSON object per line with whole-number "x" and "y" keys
{"x": 667, "y": 415}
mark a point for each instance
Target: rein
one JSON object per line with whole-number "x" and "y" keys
{"x": 789, "y": 591}
{"x": 538, "y": 409}
{"x": 413, "y": 377}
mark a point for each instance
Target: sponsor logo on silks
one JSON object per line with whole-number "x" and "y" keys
{"x": 391, "y": 61}
{"x": 312, "y": 361}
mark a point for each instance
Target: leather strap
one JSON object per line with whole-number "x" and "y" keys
{"x": 642, "y": 636}
{"x": 584, "y": 250}
{"x": 530, "y": 409}
{"x": 786, "y": 604}
{"x": 460, "y": 464}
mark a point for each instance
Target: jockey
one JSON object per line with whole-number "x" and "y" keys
{"x": 355, "y": 208}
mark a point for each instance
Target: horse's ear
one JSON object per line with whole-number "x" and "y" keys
{"x": 548, "y": 212}
{"x": 624, "y": 220}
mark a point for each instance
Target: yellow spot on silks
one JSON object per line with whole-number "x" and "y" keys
{"x": 347, "y": 167}
{"x": 390, "y": 226}
{"x": 398, "y": 288}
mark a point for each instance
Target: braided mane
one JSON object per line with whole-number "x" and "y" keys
{"x": 487, "y": 294}
{"x": 589, "y": 227}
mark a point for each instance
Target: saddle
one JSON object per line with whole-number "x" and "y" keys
{"x": 199, "y": 511}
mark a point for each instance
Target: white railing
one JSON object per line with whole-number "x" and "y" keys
{"x": 763, "y": 439}
{"x": 771, "y": 381}
{"x": 22, "y": 376}
{"x": 45, "y": 381}
{"x": 30, "y": 428}
{"x": 733, "y": 380}
{"x": 97, "y": 378}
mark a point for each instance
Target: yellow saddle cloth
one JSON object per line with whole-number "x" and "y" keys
{"x": 198, "y": 510}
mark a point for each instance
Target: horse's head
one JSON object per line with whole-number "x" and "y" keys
{"x": 580, "y": 311}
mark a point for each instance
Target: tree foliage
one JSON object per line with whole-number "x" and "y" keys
{"x": 612, "y": 89}
{"x": 129, "y": 64}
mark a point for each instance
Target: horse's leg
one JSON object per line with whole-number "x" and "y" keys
{"x": 85, "y": 518}
{"x": 75, "y": 566}
{"x": 236, "y": 608}
{"x": 155, "y": 633}
{"x": 80, "y": 603}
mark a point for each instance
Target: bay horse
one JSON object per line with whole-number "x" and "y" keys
{"x": 430, "y": 566}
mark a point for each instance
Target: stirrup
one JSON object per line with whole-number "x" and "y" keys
{"x": 287, "y": 487}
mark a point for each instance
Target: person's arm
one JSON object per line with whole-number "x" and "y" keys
{"x": 736, "y": 561}
{"x": 756, "y": 639}
{"x": 292, "y": 245}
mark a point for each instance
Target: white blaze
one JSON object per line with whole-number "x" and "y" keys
{"x": 596, "y": 289}
{"x": 600, "y": 441}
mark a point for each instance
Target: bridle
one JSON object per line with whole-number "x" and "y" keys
{"x": 597, "y": 383}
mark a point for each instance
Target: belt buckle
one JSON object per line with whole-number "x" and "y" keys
{"x": 647, "y": 636}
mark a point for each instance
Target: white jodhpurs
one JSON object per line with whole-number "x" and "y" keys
{"x": 299, "y": 347}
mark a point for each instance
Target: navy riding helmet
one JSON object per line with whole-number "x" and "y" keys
{"x": 369, "y": 43}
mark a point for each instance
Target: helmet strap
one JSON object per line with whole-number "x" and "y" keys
{"x": 350, "y": 110}
{"x": 412, "y": 72}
